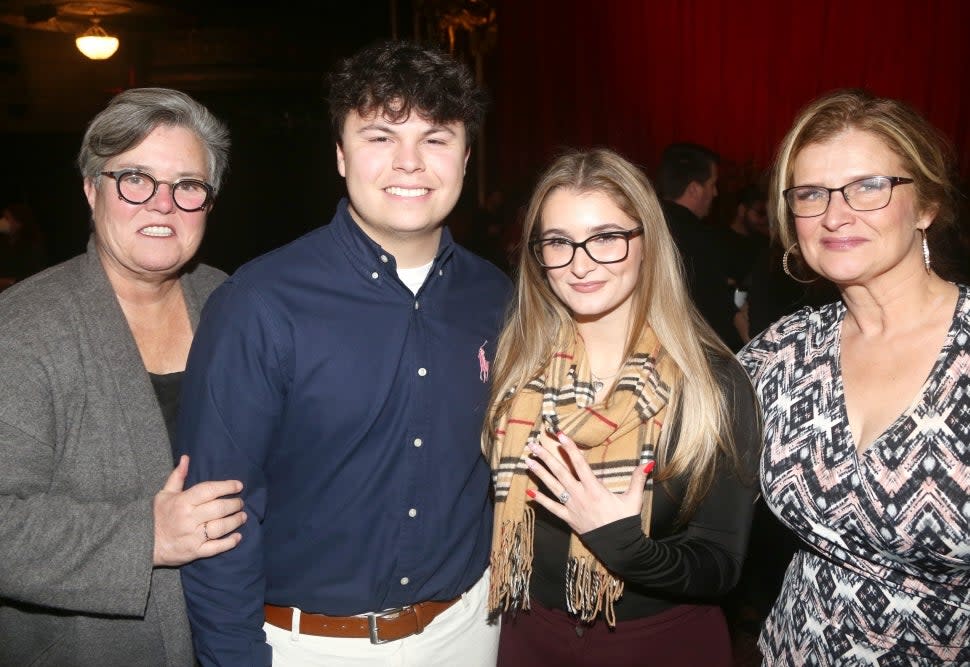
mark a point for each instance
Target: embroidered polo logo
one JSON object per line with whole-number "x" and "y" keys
{"x": 482, "y": 363}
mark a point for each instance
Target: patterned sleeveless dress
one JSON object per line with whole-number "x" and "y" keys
{"x": 883, "y": 577}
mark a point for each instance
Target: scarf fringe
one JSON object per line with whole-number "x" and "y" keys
{"x": 511, "y": 564}
{"x": 590, "y": 590}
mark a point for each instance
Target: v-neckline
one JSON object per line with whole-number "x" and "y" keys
{"x": 918, "y": 398}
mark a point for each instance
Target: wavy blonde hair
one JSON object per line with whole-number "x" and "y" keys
{"x": 537, "y": 320}
{"x": 926, "y": 156}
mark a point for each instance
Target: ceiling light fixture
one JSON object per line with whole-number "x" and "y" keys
{"x": 95, "y": 43}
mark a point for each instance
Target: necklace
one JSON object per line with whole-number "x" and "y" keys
{"x": 598, "y": 382}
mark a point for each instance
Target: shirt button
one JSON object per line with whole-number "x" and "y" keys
{"x": 418, "y": 442}
{"x": 405, "y": 581}
{"x": 416, "y": 305}
{"x": 440, "y": 272}
{"x": 412, "y": 512}
{"x": 422, "y": 372}
{"x": 384, "y": 259}
{"x": 375, "y": 275}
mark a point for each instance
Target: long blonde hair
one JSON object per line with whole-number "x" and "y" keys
{"x": 537, "y": 320}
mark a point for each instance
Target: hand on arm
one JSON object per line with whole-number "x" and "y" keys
{"x": 195, "y": 523}
{"x": 590, "y": 504}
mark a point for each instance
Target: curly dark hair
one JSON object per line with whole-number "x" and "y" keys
{"x": 398, "y": 77}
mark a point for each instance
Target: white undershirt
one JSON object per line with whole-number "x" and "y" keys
{"x": 414, "y": 278}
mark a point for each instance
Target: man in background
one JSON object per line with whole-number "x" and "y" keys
{"x": 688, "y": 185}
{"x": 747, "y": 234}
{"x": 743, "y": 241}
{"x": 344, "y": 378}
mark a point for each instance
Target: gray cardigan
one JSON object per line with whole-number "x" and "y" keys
{"x": 83, "y": 451}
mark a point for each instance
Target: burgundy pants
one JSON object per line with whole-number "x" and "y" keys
{"x": 684, "y": 636}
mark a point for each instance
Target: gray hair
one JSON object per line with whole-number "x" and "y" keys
{"x": 135, "y": 113}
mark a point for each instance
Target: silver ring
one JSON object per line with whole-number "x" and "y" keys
{"x": 564, "y": 497}
{"x": 205, "y": 530}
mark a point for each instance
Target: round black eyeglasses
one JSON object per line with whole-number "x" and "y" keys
{"x": 603, "y": 248}
{"x": 137, "y": 187}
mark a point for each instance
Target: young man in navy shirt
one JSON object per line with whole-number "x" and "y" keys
{"x": 344, "y": 378}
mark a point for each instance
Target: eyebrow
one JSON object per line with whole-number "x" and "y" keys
{"x": 591, "y": 231}
{"x": 195, "y": 175}
{"x": 390, "y": 128}
{"x": 852, "y": 179}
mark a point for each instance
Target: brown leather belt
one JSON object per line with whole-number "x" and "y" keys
{"x": 385, "y": 626}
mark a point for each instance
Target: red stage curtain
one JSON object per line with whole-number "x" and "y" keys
{"x": 731, "y": 74}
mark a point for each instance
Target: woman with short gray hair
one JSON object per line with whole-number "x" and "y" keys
{"x": 94, "y": 520}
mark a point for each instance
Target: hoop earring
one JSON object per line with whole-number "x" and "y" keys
{"x": 784, "y": 266}
{"x": 926, "y": 250}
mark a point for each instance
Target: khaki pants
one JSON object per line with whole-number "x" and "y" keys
{"x": 459, "y": 636}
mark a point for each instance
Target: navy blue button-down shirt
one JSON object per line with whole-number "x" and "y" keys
{"x": 351, "y": 409}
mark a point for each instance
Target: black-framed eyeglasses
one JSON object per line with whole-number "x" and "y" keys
{"x": 137, "y": 187}
{"x": 866, "y": 194}
{"x": 603, "y": 248}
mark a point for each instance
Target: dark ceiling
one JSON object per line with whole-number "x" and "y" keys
{"x": 267, "y": 52}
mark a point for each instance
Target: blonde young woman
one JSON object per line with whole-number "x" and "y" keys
{"x": 622, "y": 435}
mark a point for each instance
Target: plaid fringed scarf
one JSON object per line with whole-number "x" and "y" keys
{"x": 615, "y": 438}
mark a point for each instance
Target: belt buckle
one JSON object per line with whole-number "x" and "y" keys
{"x": 372, "y": 624}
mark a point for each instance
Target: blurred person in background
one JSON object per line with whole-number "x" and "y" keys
{"x": 23, "y": 249}
{"x": 688, "y": 183}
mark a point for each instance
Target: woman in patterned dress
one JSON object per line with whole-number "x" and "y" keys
{"x": 605, "y": 372}
{"x": 867, "y": 401}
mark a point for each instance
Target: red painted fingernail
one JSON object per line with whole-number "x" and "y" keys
{"x": 647, "y": 469}
{"x": 530, "y": 493}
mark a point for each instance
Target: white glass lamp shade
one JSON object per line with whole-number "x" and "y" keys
{"x": 96, "y": 44}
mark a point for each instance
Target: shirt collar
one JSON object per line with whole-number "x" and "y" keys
{"x": 365, "y": 248}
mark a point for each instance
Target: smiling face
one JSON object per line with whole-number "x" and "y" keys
{"x": 852, "y": 247}
{"x": 404, "y": 178}
{"x": 154, "y": 240}
{"x": 591, "y": 291}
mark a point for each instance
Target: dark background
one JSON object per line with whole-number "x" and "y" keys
{"x": 631, "y": 74}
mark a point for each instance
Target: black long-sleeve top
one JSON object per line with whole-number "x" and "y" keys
{"x": 696, "y": 562}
